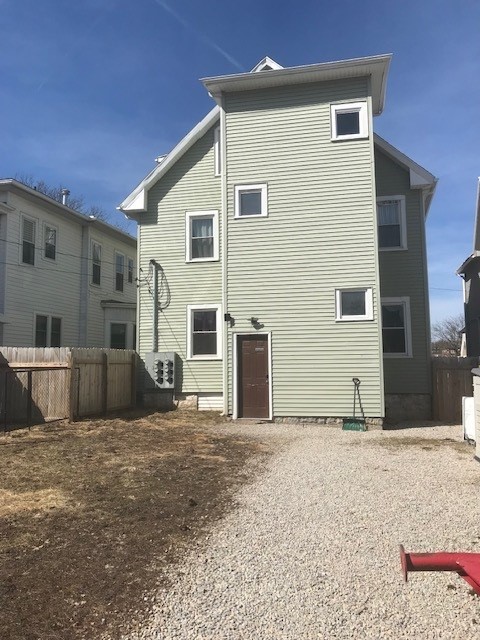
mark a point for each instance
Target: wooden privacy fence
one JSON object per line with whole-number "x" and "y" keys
{"x": 39, "y": 385}
{"x": 451, "y": 380}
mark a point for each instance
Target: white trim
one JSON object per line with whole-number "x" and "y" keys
{"x": 213, "y": 213}
{"x": 99, "y": 244}
{"x": 36, "y": 224}
{"x": 219, "y": 330}
{"x": 129, "y": 259}
{"x": 263, "y": 188}
{"x": 235, "y": 336}
{"x": 405, "y": 301}
{"x": 350, "y": 107}
{"x": 403, "y": 222}
{"x": 49, "y": 317}
{"x": 115, "y": 272}
{"x": 368, "y": 304}
{"x": 266, "y": 62}
{"x": 217, "y": 155}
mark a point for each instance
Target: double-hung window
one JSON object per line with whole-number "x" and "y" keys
{"x": 354, "y": 304}
{"x": 130, "y": 270}
{"x": 50, "y": 239}
{"x": 251, "y": 201}
{"x": 48, "y": 331}
{"x": 96, "y": 263}
{"x": 201, "y": 231}
{"x": 349, "y": 120}
{"x": 28, "y": 241}
{"x": 391, "y": 218}
{"x": 396, "y": 331}
{"x": 119, "y": 271}
{"x": 204, "y": 332}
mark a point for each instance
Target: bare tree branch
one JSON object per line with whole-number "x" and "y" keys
{"x": 447, "y": 334}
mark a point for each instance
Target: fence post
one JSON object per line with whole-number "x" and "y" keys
{"x": 29, "y": 398}
{"x": 104, "y": 382}
{"x": 71, "y": 388}
{"x": 133, "y": 381}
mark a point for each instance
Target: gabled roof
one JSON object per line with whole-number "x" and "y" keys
{"x": 420, "y": 178}
{"x": 267, "y": 64}
{"x": 10, "y": 184}
{"x": 375, "y": 67}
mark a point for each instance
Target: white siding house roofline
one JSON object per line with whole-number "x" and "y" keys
{"x": 420, "y": 178}
{"x": 36, "y": 196}
{"x": 136, "y": 202}
{"x": 375, "y": 67}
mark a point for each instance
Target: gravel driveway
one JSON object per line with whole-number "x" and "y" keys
{"x": 312, "y": 550}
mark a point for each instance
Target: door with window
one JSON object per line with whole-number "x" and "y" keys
{"x": 253, "y": 384}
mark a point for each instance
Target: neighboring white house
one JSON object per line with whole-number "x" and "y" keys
{"x": 65, "y": 279}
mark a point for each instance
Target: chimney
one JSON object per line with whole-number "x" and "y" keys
{"x": 65, "y": 194}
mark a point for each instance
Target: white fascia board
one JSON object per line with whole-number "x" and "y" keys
{"x": 420, "y": 178}
{"x": 375, "y": 67}
{"x": 266, "y": 62}
{"x": 136, "y": 202}
{"x": 476, "y": 233}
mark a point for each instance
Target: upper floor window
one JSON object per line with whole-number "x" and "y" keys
{"x": 217, "y": 151}
{"x": 251, "y": 201}
{"x": 28, "y": 241}
{"x": 201, "y": 236}
{"x": 396, "y": 330}
{"x": 392, "y": 226}
{"x": 50, "y": 239}
{"x": 48, "y": 330}
{"x": 119, "y": 271}
{"x": 130, "y": 270}
{"x": 354, "y": 304}
{"x": 96, "y": 263}
{"x": 349, "y": 120}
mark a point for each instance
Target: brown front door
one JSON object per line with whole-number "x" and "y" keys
{"x": 253, "y": 383}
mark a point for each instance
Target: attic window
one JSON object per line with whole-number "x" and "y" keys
{"x": 349, "y": 121}
{"x": 267, "y": 67}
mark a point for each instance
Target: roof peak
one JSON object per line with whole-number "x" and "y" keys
{"x": 266, "y": 64}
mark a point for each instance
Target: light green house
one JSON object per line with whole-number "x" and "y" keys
{"x": 284, "y": 245}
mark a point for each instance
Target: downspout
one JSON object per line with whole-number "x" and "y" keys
{"x": 155, "y": 306}
{"x": 224, "y": 219}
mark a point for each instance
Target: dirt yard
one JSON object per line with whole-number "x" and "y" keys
{"x": 92, "y": 513}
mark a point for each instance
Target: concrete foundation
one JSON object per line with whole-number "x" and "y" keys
{"x": 370, "y": 423}
{"x": 408, "y": 406}
{"x": 186, "y": 402}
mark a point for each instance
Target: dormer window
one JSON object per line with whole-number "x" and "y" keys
{"x": 349, "y": 121}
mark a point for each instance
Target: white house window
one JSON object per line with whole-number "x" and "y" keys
{"x": 119, "y": 271}
{"x": 204, "y": 332}
{"x": 96, "y": 263}
{"x": 201, "y": 231}
{"x": 349, "y": 120}
{"x": 354, "y": 304}
{"x": 28, "y": 241}
{"x": 396, "y": 329}
{"x": 392, "y": 227}
{"x": 50, "y": 247}
{"x": 251, "y": 201}
{"x": 48, "y": 330}
{"x": 130, "y": 270}
{"x": 217, "y": 151}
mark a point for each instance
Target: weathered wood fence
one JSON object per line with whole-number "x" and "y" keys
{"x": 451, "y": 380}
{"x": 40, "y": 385}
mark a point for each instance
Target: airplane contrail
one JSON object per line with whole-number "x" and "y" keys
{"x": 200, "y": 35}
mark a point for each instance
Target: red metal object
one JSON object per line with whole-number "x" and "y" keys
{"x": 467, "y": 565}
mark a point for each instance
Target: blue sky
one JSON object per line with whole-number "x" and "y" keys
{"x": 93, "y": 91}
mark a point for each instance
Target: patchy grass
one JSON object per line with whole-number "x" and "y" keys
{"x": 92, "y": 513}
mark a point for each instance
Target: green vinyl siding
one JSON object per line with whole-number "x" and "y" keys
{"x": 403, "y": 273}
{"x": 320, "y": 235}
{"x": 190, "y": 185}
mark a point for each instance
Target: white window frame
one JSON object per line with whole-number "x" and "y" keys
{"x": 217, "y": 154}
{"x": 35, "y": 225}
{"x": 95, "y": 284}
{"x": 405, "y": 301}
{"x": 130, "y": 262}
{"x": 350, "y": 107}
{"x": 204, "y": 307}
{"x": 49, "y": 317}
{"x": 55, "y": 228}
{"x": 189, "y": 216}
{"x": 240, "y": 188}
{"x": 368, "y": 291}
{"x": 403, "y": 222}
